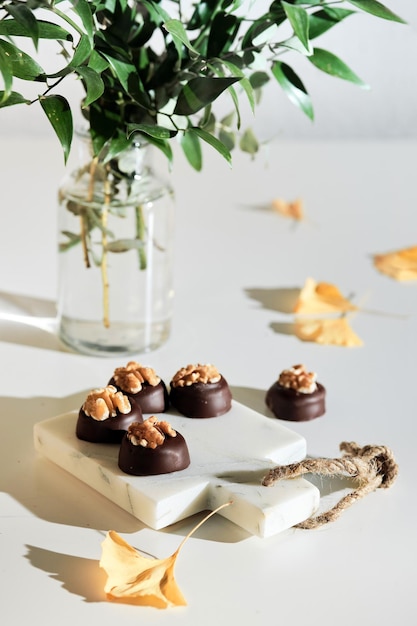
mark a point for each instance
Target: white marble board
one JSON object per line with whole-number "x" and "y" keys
{"x": 229, "y": 454}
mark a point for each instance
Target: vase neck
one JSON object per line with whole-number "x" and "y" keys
{"x": 133, "y": 163}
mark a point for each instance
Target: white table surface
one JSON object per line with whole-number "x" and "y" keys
{"x": 360, "y": 199}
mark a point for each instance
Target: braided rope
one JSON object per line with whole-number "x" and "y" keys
{"x": 372, "y": 466}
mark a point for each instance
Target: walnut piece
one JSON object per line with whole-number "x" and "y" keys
{"x": 103, "y": 403}
{"x": 191, "y": 374}
{"x": 297, "y": 378}
{"x": 150, "y": 433}
{"x": 131, "y": 377}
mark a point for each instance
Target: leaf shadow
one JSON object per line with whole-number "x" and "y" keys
{"x": 78, "y": 575}
{"x": 279, "y": 299}
{"x": 283, "y": 328}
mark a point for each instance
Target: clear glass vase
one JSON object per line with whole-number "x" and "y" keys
{"x": 116, "y": 232}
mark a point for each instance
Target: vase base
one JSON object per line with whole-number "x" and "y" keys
{"x": 93, "y": 339}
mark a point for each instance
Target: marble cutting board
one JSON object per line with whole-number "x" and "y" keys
{"x": 229, "y": 454}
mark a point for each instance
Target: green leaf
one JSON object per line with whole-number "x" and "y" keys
{"x": 228, "y": 120}
{"x": 331, "y": 64}
{"x": 59, "y": 115}
{"x": 115, "y": 146}
{"x": 6, "y": 71}
{"x": 104, "y": 124}
{"x": 191, "y": 146}
{"x": 158, "y": 14}
{"x": 248, "y": 142}
{"x": 293, "y": 87}
{"x": 23, "y": 66}
{"x": 122, "y": 69}
{"x": 199, "y": 92}
{"x": 244, "y": 82}
{"x": 97, "y": 62}
{"x": 158, "y": 132}
{"x": 24, "y": 16}
{"x": 223, "y": 31}
{"x": 177, "y": 30}
{"x": 322, "y": 21}
{"x": 228, "y": 138}
{"x": 293, "y": 43}
{"x": 298, "y": 18}
{"x": 259, "y": 79}
{"x": 123, "y": 245}
{"x": 93, "y": 82}
{"x": 212, "y": 141}
{"x": 46, "y": 30}
{"x": 12, "y": 98}
{"x": 83, "y": 10}
{"x": 73, "y": 239}
{"x": 257, "y": 29}
{"x": 376, "y": 8}
{"x": 82, "y": 51}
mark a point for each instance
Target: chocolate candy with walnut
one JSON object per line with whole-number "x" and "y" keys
{"x": 151, "y": 448}
{"x": 142, "y": 385}
{"x": 200, "y": 391}
{"x": 106, "y": 415}
{"x": 296, "y": 396}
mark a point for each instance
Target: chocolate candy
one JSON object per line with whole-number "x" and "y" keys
{"x": 106, "y": 415}
{"x": 151, "y": 398}
{"x": 141, "y": 384}
{"x": 289, "y": 404}
{"x": 169, "y": 456}
{"x": 202, "y": 399}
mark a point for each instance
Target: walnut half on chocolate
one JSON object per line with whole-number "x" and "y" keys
{"x": 298, "y": 378}
{"x": 150, "y": 433}
{"x": 103, "y": 403}
{"x": 195, "y": 374}
{"x": 131, "y": 377}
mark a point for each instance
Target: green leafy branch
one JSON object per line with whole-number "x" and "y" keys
{"x": 148, "y": 67}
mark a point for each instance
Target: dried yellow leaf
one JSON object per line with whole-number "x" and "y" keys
{"x": 335, "y": 332}
{"x": 135, "y": 579}
{"x": 293, "y": 210}
{"x": 400, "y": 264}
{"x": 321, "y": 298}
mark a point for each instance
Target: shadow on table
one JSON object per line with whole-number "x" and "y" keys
{"x": 42, "y": 487}
{"x": 28, "y": 321}
{"x": 77, "y": 575}
{"x": 280, "y": 299}
{"x": 251, "y": 397}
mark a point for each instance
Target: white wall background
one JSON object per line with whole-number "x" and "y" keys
{"x": 382, "y": 53}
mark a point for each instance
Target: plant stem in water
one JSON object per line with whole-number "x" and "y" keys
{"x": 104, "y": 275}
{"x": 140, "y": 234}
{"x": 90, "y": 195}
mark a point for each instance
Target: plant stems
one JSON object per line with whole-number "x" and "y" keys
{"x": 140, "y": 234}
{"x": 90, "y": 195}
{"x": 103, "y": 265}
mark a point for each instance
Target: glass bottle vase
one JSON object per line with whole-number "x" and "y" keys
{"x": 116, "y": 232}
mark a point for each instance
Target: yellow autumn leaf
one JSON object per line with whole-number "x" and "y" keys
{"x": 335, "y": 332}
{"x": 138, "y": 579}
{"x": 293, "y": 210}
{"x": 321, "y": 298}
{"x": 135, "y": 579}
{"x": 400, "y": 264}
